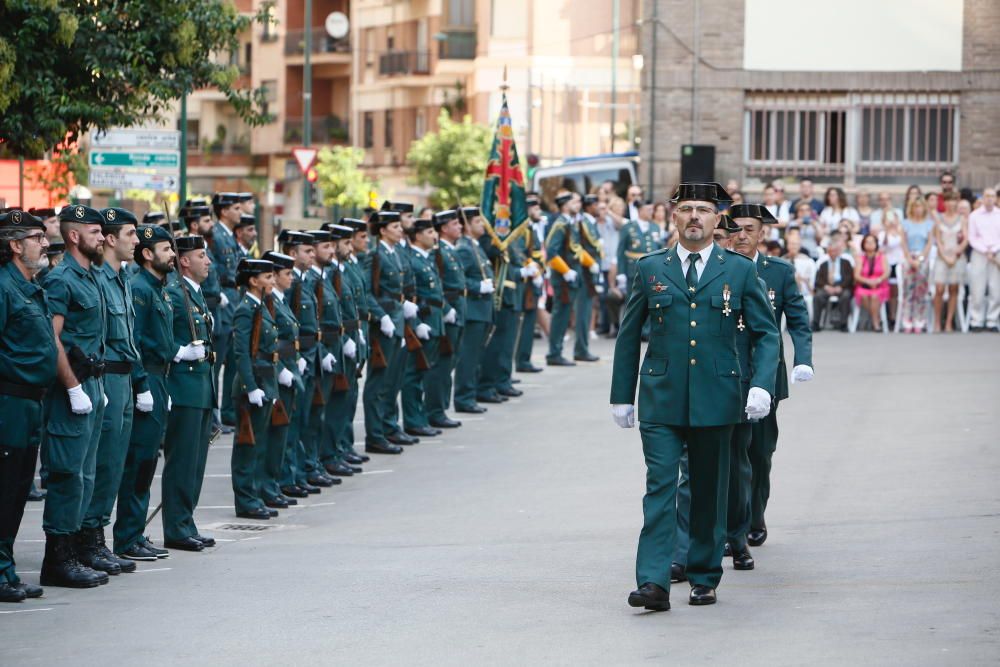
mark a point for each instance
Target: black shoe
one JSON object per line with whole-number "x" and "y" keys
{"x": 364, "y": 458}
{"x": 321, "y": 480}
{"x": 89, "y": 553}
{"x": 30, "y": 590}
{"x": 35, "y": 495}
{"x": 382, "y": 448}
{"x": 651, "y": 597}
{"x": 294, "y": 492}
{"x": 310, "y": 489}
{"x": 159, "y": 553}
{"x": 338, "y": 469}
{"x": 490, "y": 398}
{"x": 185, "y": 544}
{"x": 727, "y": 551}
{"x": 445, "y": 423}
{"x": 104, "y": 552}
{"x": 206, "y": 541}
{"x": 515, "y": 381}
{"x": 742, "y": 560}
{"x": 425, "y": 431}
{"x": 11, "y": 592}
{"x": 273, "y": 513}
{"x": 678, "y": 573}
{"x": 400, "y": 438}
{"x": 278, "y": 503}
{"x": 61, "y": 568}
{"x": 529, "y": 369}
{"x": 290, "y": 501}
{"x": 256, "y": 513}
{"x": 558, "y": 361}
{"x": 138, "y": 552}
{"x": 586, "y": 357}
{"x": 757, "y": 536}
{"x": 511, "y": 392}
{"x": 701, "y": 595}
{"x": 470, "y": 409}
{"x": 354, "y": 459}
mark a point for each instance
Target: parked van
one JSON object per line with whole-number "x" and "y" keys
{"x": 583, "y": 174}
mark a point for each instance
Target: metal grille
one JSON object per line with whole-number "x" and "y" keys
{"x": 243, "y": 527}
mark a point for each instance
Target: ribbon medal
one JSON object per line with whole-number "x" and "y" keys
{"x": 726, "y": 310}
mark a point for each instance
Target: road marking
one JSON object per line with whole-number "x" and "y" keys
{"x": 319, "y": 504}
{"x": 155, "y": 569}
{"x": 27, "y": 611}
{"x": 375, "y": 472}
{"x": 255, "y": 537}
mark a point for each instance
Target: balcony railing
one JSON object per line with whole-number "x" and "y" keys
{"x": 295, "y": 43}
{"x": 325, "y": 130}
{"x": 457, "y": 45}
{"x": 397, "y": 63}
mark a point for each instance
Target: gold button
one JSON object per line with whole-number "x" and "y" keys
{"x": 694, "y": 362}
{"x": 657, "y": 305}
{"x": 693, "y": 323}
{"x": 693, "y": 343}
{"x": 694, "y": 305}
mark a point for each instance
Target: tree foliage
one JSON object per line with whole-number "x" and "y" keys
{"x": 340, "y": 179}
{"x": 68, "y": 66}
{"x": 452, "y": 160}
{"x": 58, "y": 176}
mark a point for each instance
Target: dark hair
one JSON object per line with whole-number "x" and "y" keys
{"x": 870, "y": 262}
{"x": 6, "y": 236}
{"x": 841, "y": 197}
{"x": 947, "y": 172}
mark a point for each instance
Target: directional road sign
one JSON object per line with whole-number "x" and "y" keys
{"x": 127, "y": 180}
{"x": 121, "y": 137}
{"x": 158, "y": 160}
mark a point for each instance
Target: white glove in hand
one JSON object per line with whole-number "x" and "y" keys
{"x": 223, "y": 301}
{"x": 388, "y": 328}
{"x": 486, "y": 286}
{"x": 105, "y": 400}
{"x": 79, "y": 402}
{"x": 538, "y": 281}
{"x": 450, "y": 316}
{"x": 190, "y": 352}
{"x": 802, "y": 373}
{"x": 569, "y": 276}
{"x": 144, "y": 401}
{"x": 256, "y": 397}
{"x": 529, "y": 271}
{"x": 595, "y": 268}
{"x": 361, "y": 337}
{"x": 301, "y": 363}
{"x": 286, "y": 377}
{"x": 409, "y": 310}
{"x": 423, "y": 331}
{"x": 758, "y": 403}
{"x": 350, "y": 349}
{"x": 328, "y": 362}
{"x": 621, "y": 281}
{"x": 170, "y": 404}
{"x": 624, "y": 415}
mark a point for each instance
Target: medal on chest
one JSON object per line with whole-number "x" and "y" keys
{"x": 770, "y": 295}
{"x": 726, "y": 310}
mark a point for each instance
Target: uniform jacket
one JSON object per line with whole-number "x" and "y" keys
{"x": 191, "y": 384}
{"x": 562, "y": 236}
{"x": 27, "y": 343}
{"x": 476, "y": 268}
{"x": 779, "y": 277}
{"x": 254, "y": 371}
{"x": 154, "y": 325}
{"x": 633, "y": 243}
{"x": 430, "y": 295}
{"x": 385, "y": 291}
{"x": 453, "y": 283}
{"x": 226, "y": 255}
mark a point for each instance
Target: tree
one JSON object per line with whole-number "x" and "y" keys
{"x": 339, "y": 178}
{"x": 68, "y": 67}
{"x": 452, "y": 160}
{"x": 66, "y": 168}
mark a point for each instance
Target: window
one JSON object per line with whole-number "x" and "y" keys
{"x": 388, "y": 128}
{"x": 193, "y": 131}
{"x": 270, "y": 87}
{"x": 369, "y": 129}
{"x": 461, "y": 13}
{"x": 419, "y": 124}
{"x": 269, "y": 32}
{"x": 898, "y": 130}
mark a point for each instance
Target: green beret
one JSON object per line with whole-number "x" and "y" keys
{"x": 150, "y": 235}
{"x": 16, "y": 218}
{"x": 81, "y": 214}
{"x": 118, "y": 216}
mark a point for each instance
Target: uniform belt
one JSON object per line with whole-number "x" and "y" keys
{"x": 28, "y": 391}
{"x": 307, "y": 341}
{"x": 155, "y": 369}
{"x": 388, "y": 305}
{"x": 288, "y": 349}
{"x": 212, "y": 301}
{"x": 455, "y": 293}
{"x": 433, "y": 302}
{"x": 266, "y": 361}
{"x": 389, "y": 294}
{"x": 227, "y": 282}
{"x": 118, "y": 367}
{"x": 331, "y": 331}
{"x": 350, "y": 326}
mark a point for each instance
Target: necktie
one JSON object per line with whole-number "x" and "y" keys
{"x": 692, "y": 272}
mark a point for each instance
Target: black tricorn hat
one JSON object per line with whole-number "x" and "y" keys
{"x": 384, "y": 217}
{"x": 189, "y": 243}
{"x": 757, "y": 211}
{"x": 293, "y": 237}
{"x": 248, "y": 268}
{"x": 444, "y": 217}
{"x": 279, "y": 260}
{"x": 355, "y": 224}
{"x": 564, "y": 198}
{"x": 397, "y": 206}
{"x": 727, "y": 224}
{"x": 338, "y": 232}
{"x": 712, "y": 192}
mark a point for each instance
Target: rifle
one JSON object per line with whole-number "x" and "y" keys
{"x": 378, "y": 360}
{"x": 245, "y": 435}
{"x": 279, "y": 414}
{"x": 414, "y": 345}
{"x": 340, "y": 382}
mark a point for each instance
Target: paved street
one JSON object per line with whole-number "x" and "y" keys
{"x": 512, "y": 541}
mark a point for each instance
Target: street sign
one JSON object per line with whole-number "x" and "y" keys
{"x": 128, "y": 180}
{"x": 305, "y": 157}
{"x": 136, "y": 159}
{"x": 121, "y": 137}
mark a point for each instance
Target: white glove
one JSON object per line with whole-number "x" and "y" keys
{"x": 758, "y": 403}
{"x": 286, "y": 377}
{"x": 538, "y": 281}
{"x": 621, "y": 281}
{"x": 486, "y": 286}
{"x": 402, "y": 342}
{"x": 410, "y": 310}
{"x": 387, "y": 327}
{"x": 170, "y": 404}
{"x": 802, "y": 373}
{"x": 350, "y": 349}
{"x": 144, "y": 401}
{"x": 529, "y": 271}
{"x": 301, "y": 363}
{"x": 361, "y": 337}
{"x": 423, "y": 331}
{"x": 569, "y": 276}
{"x": 624, "y": 415}
{"x": 328, "y": 362}
{"x": 256, "y": 397}
{"x": 223, "y": 301}
{"x": 79, "y": 402}
{"x": 105, "y": 400}
{"x": 595, "y": 268}
{"x": 190, "y": 352}
{"x": 450, "y": 316}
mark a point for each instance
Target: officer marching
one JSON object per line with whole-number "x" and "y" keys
{"x": 565, "y": 265}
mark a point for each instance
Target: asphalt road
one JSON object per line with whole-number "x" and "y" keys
{"x": 511, "y": 541}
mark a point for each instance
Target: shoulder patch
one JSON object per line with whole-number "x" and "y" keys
{"x": 661, "y": 251}
{"x": 736, "y": 254}
{"x": 778, "y": 261}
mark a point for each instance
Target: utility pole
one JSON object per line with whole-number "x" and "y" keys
{"x": 652, "y": 100}
{"x": 20, "y": 182}
{"x": 184, "y": 150}
{"x": 614, "y": 69}
{"x": 307, "y": 102}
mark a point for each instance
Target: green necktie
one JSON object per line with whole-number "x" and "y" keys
{"x": 692, "y": 272}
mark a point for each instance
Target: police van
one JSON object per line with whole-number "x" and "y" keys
{"x": 585, "y": 174}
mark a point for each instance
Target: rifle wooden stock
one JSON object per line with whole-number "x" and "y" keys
{"x": 530, "y": 300}
{"x": 340, "y": 382}
{"x": 414, "y": 346}
{"x": 377, "y": 360}
{"x": 317, "y": 398}
{"x": 445, "y": 348}
{"x": 245, "y": 436}
{"x": 279, "y": 415}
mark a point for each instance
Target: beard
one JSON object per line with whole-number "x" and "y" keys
{"x": 162, "y": 267}
{"x": 35, "y": 265}
{"x": 94, "y": 253}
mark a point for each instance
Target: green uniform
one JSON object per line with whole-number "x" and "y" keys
{"x": 154, "y": 338}
{"x": 226, "y": 255}
{"x": 270, "y": 460}
{"x": 633, "y": 243}
{"x": 301, "y": 298}
{"x": 399, "y": 375}
{"x": 690, "y": 395}
{"x": 120, "y": 357}
{"x": 498, "y": 357}
{"x": 27, "y": 367}
{"x": 562, "y": 238}
{"x": 354, "y": 279}
{"x": 192, "y": 389}
{"x": 321, "y": 447}
{"x": 590, "y": 242}
{"x": 75, "y": 293}
{"x": 339, "y": 408}
{"x": 779, "y": 276}
{"x": 438, "y": 380}
{"x": 478, "y": 320}
{"x": 430, "y": 300}
{"x": 529, "y": 295}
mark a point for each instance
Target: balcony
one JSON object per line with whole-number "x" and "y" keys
{"x": 397, "y": 63}
{"x": 456, "y": 45}
{"x": 322, "y": 43}
{"x": 325, "y": 130}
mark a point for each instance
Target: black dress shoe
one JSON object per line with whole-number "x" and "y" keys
{"x": 757, "y": 536}
{"x": 445, "y": 423}
{"x": 11, "y": 592}
{"x": 272, "y": 513}
{"x": 310, "y": 489}
{"x": 294, "y": 492}
{"x": 470, "y": 409}
{"x": 382, "y": 448}
{"x": 185, "y": 544}
{"x": 558, "y": 361}
{"x": 138, "y": 552}
{"x": 354, "y": 459}
{"x": 158, "y": 552}
{"x": 727, "y": 551}
{"x": 30, "y": 590}
{"x": 35, "y": 495}
{"x": 490, "y": 398}
{"x": 742, "y": 560}
{"x": 320, "y": 480}
{"x": 338, "y": 469}
{"x": 701, "y": 595}
{"x": 515, "y": 380}
{"x": 586, "y": 357}
{"x": 511, "y": 392}
{"x": 678, "y": 573}
{"x": 400, "y": 438}
{"x": 278, "y": 503}
{"x": 651, "y": 597}
{"x": 529, "y": 369}
{"x": 290, "y": 501}
{"x": 255, "y": 513}
{"x": 364, "y": 458}
{"x": 207, "y": 541}
{"x": 425, "y": 431}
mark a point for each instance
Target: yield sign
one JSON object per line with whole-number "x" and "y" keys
{"x": 305, "y": 157}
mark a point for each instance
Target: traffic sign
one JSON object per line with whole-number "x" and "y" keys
{"x": 129, "y": 180}
{"x": 136, "y": 159}
{"x": 305, "y": 157}
{"x": 123, "y": 137}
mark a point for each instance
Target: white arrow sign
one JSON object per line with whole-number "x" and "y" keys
{"x": 305, "y": 157}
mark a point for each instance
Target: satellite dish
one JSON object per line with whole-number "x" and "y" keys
{"x": 337, "y": 25}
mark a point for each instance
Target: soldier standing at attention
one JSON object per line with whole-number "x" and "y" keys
{"x": 74, "y": 415}
{"x": 120, "y": 359}
{"x": 438, "y": 382}
{"x": 429, "y": 297}
{"x": 532, "y": 294}
{"x": 498, "y": 357}
{"x": 27, "y": 369}
{"x": 479, "y": 288}
{"x": 785, "y": 298}
{"x": 690, "y": 391}
{"x": 565, "y": 279}
{"x": 225, "y": 258}
{"x": 354, "y": 274}
{"x": 191, "y": 385}
{"x": 590, "y": 254}
{"x": 154, "y": 338}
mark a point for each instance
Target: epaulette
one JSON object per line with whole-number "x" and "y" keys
{"x": 654, "y": 253}
{"x": 780, "y": 262}
{"x": 741, "y": 256}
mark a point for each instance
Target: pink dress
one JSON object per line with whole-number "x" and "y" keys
{"x": 872, "y": 269}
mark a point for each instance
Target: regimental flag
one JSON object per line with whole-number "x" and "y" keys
{"x": 503, "y": 204}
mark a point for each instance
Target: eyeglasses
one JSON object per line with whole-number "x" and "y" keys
{"x": 35, "y": 237}
{"x": 702, "y": 210}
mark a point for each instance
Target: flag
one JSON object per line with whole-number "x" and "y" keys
{"x": 503, "y": 203}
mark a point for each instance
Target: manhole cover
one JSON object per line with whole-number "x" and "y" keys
{"x": 243, "y": 527}
{"x": 251, "y": 527}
